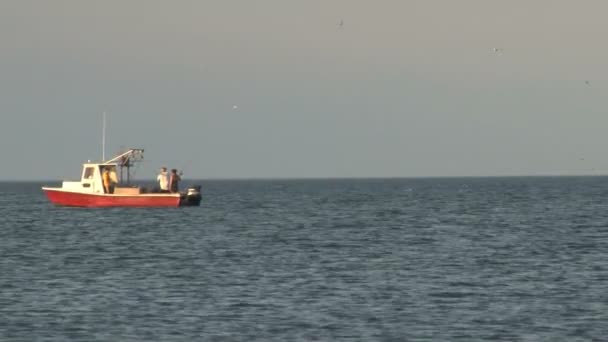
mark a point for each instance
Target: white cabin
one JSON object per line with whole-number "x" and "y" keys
{"x": 91, "y": 181}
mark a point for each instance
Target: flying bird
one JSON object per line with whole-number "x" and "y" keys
{"x": 588, "y": 83}
{"x": 341, "y": 23}
{"x": 498, "y": 51}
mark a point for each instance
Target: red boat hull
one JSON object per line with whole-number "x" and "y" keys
{"x": 77, "y": 199}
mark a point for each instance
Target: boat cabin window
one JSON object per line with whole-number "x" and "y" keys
{"x": 88, "y": 173}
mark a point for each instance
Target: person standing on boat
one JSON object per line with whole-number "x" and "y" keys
{"x": 108, "y": 184}
{"x": 174, "y": 181}
{"x": 163, "y": 180}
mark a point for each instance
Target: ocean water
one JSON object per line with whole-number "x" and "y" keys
{"x": 463, "y": 259}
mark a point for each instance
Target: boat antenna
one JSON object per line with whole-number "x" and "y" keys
{"x": 103, "y": 138}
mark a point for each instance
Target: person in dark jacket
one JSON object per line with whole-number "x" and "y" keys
{"x": 174, "y": 180}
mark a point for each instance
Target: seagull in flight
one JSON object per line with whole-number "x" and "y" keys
{"x": 497, "y": 51}
{"x": 341, "y": 23}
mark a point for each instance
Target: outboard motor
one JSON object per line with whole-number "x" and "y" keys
{"x": 192, "y": 196}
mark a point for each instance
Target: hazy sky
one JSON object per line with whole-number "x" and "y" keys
{"x": 402, "y": 88}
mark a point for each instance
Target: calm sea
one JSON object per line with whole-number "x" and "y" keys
{"x": 467, "y": 259}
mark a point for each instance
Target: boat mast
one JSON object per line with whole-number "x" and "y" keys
{"x": 103, "y": 138}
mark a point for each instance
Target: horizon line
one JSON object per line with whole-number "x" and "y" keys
{"x": 279, "y": 178}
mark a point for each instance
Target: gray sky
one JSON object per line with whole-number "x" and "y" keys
{"x": 402, "y": 88}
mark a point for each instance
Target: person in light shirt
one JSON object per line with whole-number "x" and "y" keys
{"x": 163, "y": 180}
{"x": 108, "y": 183}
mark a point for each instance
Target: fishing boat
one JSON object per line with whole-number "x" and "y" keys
{"x": 90, "y": 192}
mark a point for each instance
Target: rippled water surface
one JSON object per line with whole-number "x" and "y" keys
{"x": 373, "y": 260}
